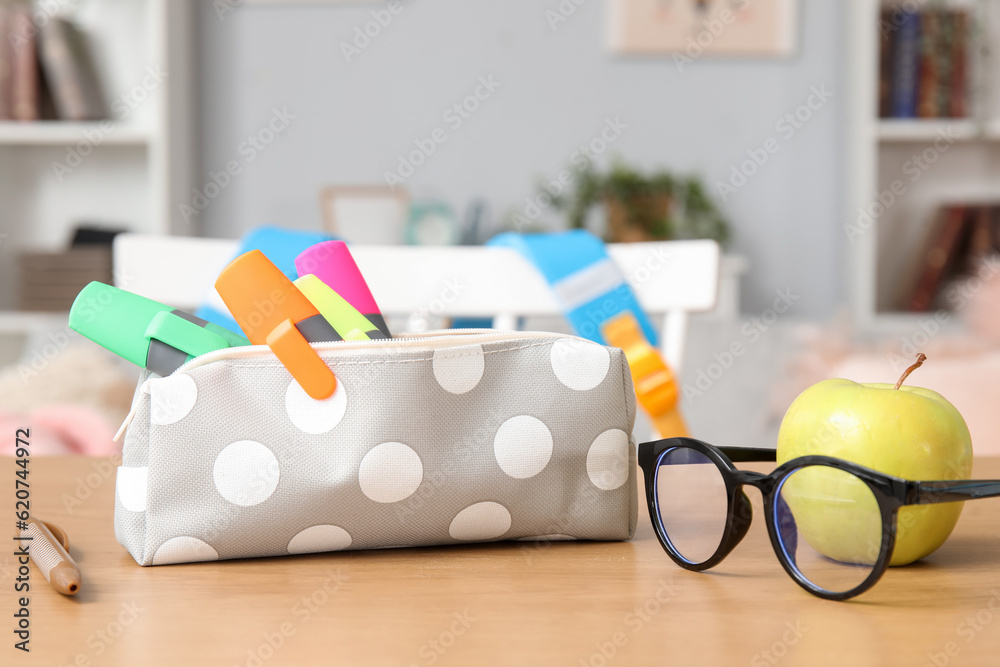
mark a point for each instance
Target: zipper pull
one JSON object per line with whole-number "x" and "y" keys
{"x": 143, "y": 389}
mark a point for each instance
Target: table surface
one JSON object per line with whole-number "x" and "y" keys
{"x": 566, "y": 603}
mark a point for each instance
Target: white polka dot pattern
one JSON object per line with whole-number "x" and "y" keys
{"x": 554, "y": 537}
{"x": 171, "y": 398}
{"x": 246, "y": 473}
{"x": 319, "y": 538}
{"x": 522, "y": 446}
{"x": 579, "y": 364}
{"x": 608, "y": 460}
{"x": 390, "y": 472}
{"x": 482, "y": 521}
{"x": 315, "y": 416}
{"x": 502, "y": 439}
{"x": 184, "y": 549}
{"x": 459, "y": 369}
{"x": 130, "y": 484}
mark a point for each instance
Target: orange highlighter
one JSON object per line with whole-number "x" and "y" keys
{"x": 655, "y": 386}
{"x": 273, "y": 312}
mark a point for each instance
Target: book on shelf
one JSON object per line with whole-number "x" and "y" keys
{"x": 24, "y": 65}
{"x": 959, "y": 93}
{"x": 47, "y": 72}
{"x": 929, "y": 45}
{"x": 981, "y": 234}
{"x": 944, "y": 64}
{"x": 886, "y": 48}
{"x": 6, "y": 53}
{"x": 905, "y": 66}
{"x": 69, "y": 71}
{"x": 923, "y": 63}
{"x": 960, "y": 236}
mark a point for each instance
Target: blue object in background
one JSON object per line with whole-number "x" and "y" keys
{"x": 471, "y": 323}
{"x": 431, "y": 222}
{"x": 279, "y": 245}
{"x": 906, "y": 66}
{"x": 587, "y": 282}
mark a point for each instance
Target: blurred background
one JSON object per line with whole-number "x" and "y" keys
{"x": 844, "y": 154}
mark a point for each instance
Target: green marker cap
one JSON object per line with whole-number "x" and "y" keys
{"x": 129, "y": 324}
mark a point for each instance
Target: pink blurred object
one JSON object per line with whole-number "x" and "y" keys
{"x": 980, "y": 301}
{"x": 71, "y": 396}
{"x": 64, "y": 429}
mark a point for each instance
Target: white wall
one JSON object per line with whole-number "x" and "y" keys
{"x": 352, "y": 120}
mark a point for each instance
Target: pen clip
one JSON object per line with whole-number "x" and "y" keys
{"x": 301, "y": 360}
{"x": 183, "y": 335}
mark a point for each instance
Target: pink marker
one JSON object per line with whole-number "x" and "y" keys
{"x": 331, "y": 262}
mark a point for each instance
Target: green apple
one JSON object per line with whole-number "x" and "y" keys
{"x": 904, "y": 431}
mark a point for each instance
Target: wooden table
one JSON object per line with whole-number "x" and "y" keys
{"x": 574, "y": 604}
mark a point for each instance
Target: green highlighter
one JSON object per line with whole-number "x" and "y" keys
{"x": 146, "y": 332}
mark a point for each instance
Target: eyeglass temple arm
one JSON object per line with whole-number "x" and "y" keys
{"x": 749, "y": 454}
{"x": 927, "y": 493}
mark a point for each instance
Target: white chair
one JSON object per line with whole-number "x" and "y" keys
{"x": 671, "y": 279}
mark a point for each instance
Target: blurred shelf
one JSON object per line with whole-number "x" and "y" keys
{"x": 58, "y": 132}
{"x": 962, "y": 129}
{"x": 141, "y": 162}
{"x": 21, "y": 322}
{"x": 906, "y": 323}
{"x": 878, "y": 149}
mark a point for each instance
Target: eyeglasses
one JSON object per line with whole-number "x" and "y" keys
{"x": 832, "y": 523}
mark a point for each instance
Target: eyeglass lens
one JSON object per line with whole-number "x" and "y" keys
{"x": 828, "y": 521}
{"x": 829, "y": 526}
{"x": 692, "y": 502}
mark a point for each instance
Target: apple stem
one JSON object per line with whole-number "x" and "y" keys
{"x": 921, "y": 358}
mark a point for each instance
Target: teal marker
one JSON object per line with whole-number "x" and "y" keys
{"x": 146, "y": 332}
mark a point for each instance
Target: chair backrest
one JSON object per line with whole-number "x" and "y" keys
{"x": 670, "y": 278}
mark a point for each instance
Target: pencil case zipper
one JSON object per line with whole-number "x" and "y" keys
{"x": 435, "y": 339}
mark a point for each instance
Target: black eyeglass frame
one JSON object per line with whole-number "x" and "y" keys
{"x": 890, "y": 492}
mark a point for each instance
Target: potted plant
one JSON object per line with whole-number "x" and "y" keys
{"x": 654, "y": 207}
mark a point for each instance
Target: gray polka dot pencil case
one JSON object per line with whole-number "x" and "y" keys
{"x": 440, "y": 438}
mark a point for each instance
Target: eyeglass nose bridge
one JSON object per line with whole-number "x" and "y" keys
{"x": 753, "y": 478}
{"x": 740, "y": 518}
{"x": 741, "y": 509}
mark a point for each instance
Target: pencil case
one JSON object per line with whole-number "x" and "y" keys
{"x": 439, "y": 438}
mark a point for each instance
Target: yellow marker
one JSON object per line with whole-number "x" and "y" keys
{"x": 655, "y": 386}
{"x": 341, "y": 315}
